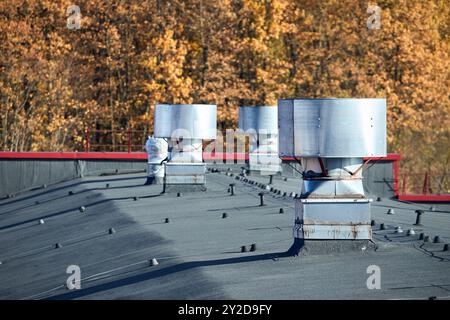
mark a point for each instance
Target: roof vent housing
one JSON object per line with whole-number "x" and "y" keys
{"x": 331, "y": 137}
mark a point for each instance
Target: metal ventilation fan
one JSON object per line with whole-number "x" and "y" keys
{"x": 185, "y": 126}
{"x": 261, "y": 125}
{"x": 330, "y": 137}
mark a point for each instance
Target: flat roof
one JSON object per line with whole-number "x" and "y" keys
{"x": 199, "y": 251}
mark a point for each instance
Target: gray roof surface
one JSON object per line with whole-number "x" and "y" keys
{"x": 198, "y": 251}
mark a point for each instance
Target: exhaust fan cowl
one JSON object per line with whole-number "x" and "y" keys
{"x": 260, "y": 123}
{"x": 331, "y": 137}
{"x": 185, "y": 126}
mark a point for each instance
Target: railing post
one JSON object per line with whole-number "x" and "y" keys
{"x": 425, "y": 184}
{"x": 405, "y": 179}
{"x": 129, "y": 140}
{"x": 86, "y": 138}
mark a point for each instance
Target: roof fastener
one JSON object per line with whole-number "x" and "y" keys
{"x": 421, "y": 236}
{"x": 82, "y": 209}
{"x": 261, "y": 199}
{"x": 253, "y": 247}
{"x": 419, "y": 217}
{"x": 44, "y": 186}
{"x": 411, "y": 232}
{"x": 135, "y": 198}
{"x": 398, "y": 229}
{"x": 111, "y": 231}
{"x": 281, "y": 210}
{"x": 382, "y": 226}
{"x": 224, "y": 215}
{"x": 292, "y": 195}
{"x": 378, "y": 199}
{"x": 284, "y": 194}
{"x": 446, "y": 247}
{"x": 433, "y": 208}
{"x": 232, "y": 188}
{"x": 279, "y": 192}
{"x": 372, "y": 223}
{"x": 167, "y": 220}
{"x": 243, "y": 249}
{"x": 285, "y": 179}
{"x": 36, "y": 202}
{"x": 153, "y": 262}
{"x": 58, "y": 245}
{"x": 270, "y": 179}
{"x": 436, "y": 239}
{"x": 426, "y": 239}
{"x": 178, "y": 194}
{"x": 41, "y": 221}
{"x": 391, "y": 211}
{"x": 70, "y": 193}
{"x": 107, "y": 185}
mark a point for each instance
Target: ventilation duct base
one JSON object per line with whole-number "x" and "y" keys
{"x": 184, "y": 177}
{"x": 265, "y": 164}
{"x": 334, "y": 219}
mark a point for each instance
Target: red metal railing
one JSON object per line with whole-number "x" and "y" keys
{"x": 114, "y": 140}
{"x": 425, "y": 187}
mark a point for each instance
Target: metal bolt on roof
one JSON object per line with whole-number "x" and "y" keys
{"x": 70, "y": 193}
{"x": 436, "y": 239}
{"x": 421, "y": 236}
{"x": 232, "y": 188}
{"x": 154, "y": 262}
{"x": 253, "y": 247}
{"x": 107, "y": 185}
{"x": 446, "y": 247}
{"x": 261, "y": 199}
{"x": 284, "y": 194}
{"x": 178, "y": 194}
{"x": 391, "y": 211}
{"x": 41, "y": 221}
{"x": 58, "y": 245}
{"x": 82, "y": 209}
{"x": 378, "y": 199}
{"x": 243, "y": 249}
{"x": 419, "y": 217}
{"x": 224, "y": 215}
{"x": 111, "y": 231}
{"x": 398, "y": 229}
{"x": 382, "y": 226}
{"x": 37, "y": 202}
{"x": 372, "y": 223}
{"x": 281, "y": 210}
{"x": 167, "y": 220}
{"x": 411, "y": 232}
{"x": 426, "y": 239}
{"x": 433, "y": 208}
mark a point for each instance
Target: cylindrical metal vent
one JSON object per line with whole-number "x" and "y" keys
{"x": 332, "y": 128}
{"x": 187, "y": 121}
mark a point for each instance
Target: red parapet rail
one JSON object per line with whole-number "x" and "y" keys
{"x": 75, "y": 155}
{"x": 434, "y": 188}
{"x": 430, "y": 193}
